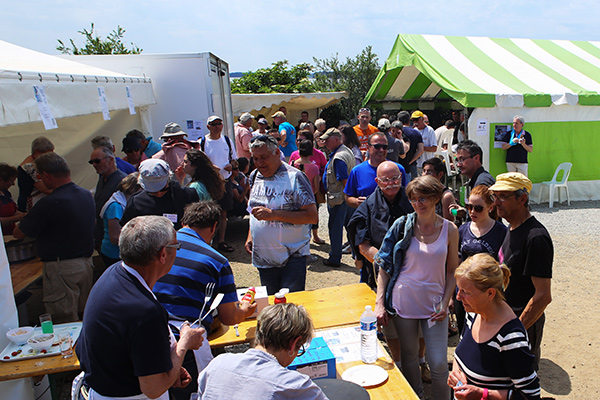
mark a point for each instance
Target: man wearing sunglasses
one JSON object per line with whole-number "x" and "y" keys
{"x": 528, "y": 252}
{"x": 109, "y": 177}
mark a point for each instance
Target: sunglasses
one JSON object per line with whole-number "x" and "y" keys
{"x": 97, "y": 160}
{"x": 265, "y": 139}
{"x": 175, "y": 246}
{"x": 476, "y": 208}
{"x": 380, "y": 146}
{"x": 216, "y": 124}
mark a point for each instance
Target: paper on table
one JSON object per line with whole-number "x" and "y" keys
{"x": 103, "y": 103}
{"x": 47, "y": 118}
{"x": 344, "y": 343}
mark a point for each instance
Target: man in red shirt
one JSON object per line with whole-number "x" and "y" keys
{"x": 364, "y": 129}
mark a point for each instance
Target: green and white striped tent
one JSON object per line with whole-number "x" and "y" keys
{"x": 554, "y": 84}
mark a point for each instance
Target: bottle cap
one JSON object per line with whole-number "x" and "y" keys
{"x": 368, "y": 308}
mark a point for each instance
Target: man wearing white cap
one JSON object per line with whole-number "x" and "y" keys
{"x": 175, "y": 146}
{"x": 220, "y": 151}
{"x": 528, "y": 252}
{"x": 243, "y": 135}
{"x": 161, "y": 195}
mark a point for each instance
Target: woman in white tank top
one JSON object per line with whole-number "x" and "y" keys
{"x": 425, "y": 275}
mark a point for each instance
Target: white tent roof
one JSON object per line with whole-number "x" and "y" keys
{"x": 268, "y": 103}
{"x": 71, "y": 87}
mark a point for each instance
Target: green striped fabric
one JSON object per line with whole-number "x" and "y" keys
{"x": 489, "y": 72}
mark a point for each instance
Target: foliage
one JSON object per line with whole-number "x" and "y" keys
{"x": 280, "y": 78}
{"x": 94, "y": 44}
{"x": 355, "y": 75}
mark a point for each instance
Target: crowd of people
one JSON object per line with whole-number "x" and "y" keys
{"x": 158, "y": 218}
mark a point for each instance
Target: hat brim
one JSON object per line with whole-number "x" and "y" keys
{"x": 168, "y": 135}
{"x": 503, "y": 187}
{"x": 154, "y": 184}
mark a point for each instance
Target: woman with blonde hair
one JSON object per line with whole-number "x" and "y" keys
{"x": 493, "y": 359}
{"x": 416, "y": 280}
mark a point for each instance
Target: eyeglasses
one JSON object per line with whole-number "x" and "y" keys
{"x": 389, "y": 180}
{"x": 301, "y": 351}
{"x": 97, "y": 160}
{"x": 501, "y": 197}
{"x": 429, "y": 171}
{"x": 175, "y": 246}
{"x": 378, "y": 146}
{"x": 420, "y": 200}
{"x": 476, "y": 207}
{"x": 215, "y": 124}
{"x": 265, "y": 139}
{"x": 461, "y": 160}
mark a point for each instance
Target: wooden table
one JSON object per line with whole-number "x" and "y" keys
{"x": 37, "y": 367}
{"x": 328, "y": 308}
{"x": 25, "y": 273}
{"x": 395, "y": 387}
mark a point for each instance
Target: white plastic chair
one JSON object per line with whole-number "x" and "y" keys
{"x": 446, "y": 137}
{"x": 566, "y": 168}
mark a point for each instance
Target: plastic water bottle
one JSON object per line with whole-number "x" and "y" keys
{"x": 368, "y": 336}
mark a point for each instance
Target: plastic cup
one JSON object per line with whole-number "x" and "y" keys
{"x": 46, "y": 323}
{"x": 66, "y": 344}
{"x": 454, "y": 211}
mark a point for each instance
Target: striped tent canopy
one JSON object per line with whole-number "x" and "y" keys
{"x": 488, "y": 72}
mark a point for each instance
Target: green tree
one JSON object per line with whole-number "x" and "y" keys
{"x": 94, "y": 44}
{"x": 279, "y": 78}
{"x": 355, "y": 76}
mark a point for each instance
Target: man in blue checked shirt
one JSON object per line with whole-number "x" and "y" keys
{"x": 182, "y": 290}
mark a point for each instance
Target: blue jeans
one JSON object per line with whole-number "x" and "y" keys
{"x": 436, "y": 341}
{"x": 292, "y": 276}
{"x": 337, "y": 218}
{"x": 411, "y": 172}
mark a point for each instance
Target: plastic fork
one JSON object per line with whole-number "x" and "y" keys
{"x": 210, "y": 287}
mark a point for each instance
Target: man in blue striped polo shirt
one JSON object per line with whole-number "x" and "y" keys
{"x": 182, "y": 290}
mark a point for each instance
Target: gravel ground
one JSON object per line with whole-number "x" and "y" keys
{"x": 571, "y": 346}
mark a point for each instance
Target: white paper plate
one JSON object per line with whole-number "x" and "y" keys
{"x": 365, "y": 375}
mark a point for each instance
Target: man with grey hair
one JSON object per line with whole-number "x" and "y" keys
{"x": 243, "y": 135}
{"x": 125, "y": 347}
{"x": 287, "y": 133}
{"x": 528, "y": 252}
{"x": 105, "y": 141}
{"x": 109, "y": 177}
{"x": 63, "y": 225}
{"x": 517, "y": 144}
{"x": 282, "y": 208}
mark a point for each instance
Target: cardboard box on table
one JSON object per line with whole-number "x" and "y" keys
{"x": 317, "y": 362}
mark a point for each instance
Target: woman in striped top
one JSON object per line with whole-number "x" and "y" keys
{"x": 493, "y": 359}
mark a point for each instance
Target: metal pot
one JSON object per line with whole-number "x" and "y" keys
{"x": 20, "y": 250}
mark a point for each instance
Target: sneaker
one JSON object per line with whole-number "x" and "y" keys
{"x": 425, "y": 373}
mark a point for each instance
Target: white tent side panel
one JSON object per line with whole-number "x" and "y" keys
{"x": 66, "y": 99}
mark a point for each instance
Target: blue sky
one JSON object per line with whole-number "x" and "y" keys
{"x": 250, "y": 35}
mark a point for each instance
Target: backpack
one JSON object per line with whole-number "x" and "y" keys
{"x": 203, "y": 141}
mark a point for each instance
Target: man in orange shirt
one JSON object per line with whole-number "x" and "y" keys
{"x": 364, "y": 129}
